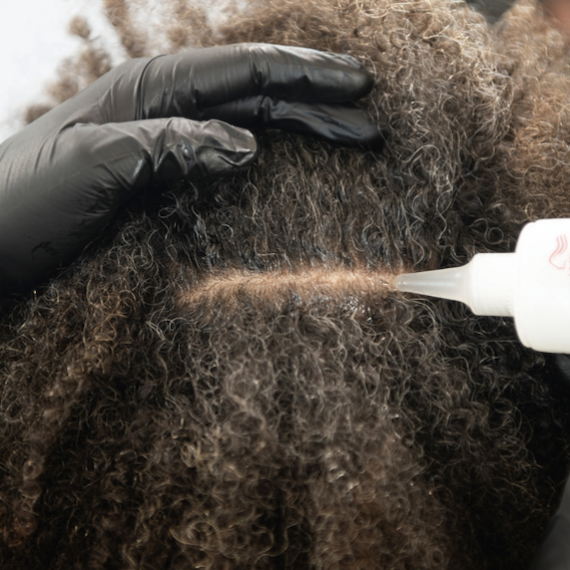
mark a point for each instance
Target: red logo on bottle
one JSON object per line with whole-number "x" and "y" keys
{"x": 560, "y": 257}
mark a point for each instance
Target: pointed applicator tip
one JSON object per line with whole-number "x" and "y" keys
{"x": 443, "y": 283}
{"x": 399, "y": 282}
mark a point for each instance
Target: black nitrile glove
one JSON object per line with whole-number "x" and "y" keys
{"x": 155, "y": 121}
{"x": 492, "y": 9}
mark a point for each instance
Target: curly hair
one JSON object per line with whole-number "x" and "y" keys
{"x": 227, "y": 379}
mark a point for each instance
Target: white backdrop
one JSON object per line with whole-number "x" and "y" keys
{"x": 33, "y": 41}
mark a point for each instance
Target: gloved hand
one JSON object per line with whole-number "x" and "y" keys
{"x": 155, "y": 121}
{"x": 492, "y": 9}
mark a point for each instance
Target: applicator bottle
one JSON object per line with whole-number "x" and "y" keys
{"x": 532, "y": 285}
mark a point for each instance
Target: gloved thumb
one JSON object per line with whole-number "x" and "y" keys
{"x": 133, "y": 154}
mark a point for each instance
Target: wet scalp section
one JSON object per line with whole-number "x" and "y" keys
{"x": 231, "y": 288}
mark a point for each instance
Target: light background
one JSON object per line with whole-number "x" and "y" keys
{"x": 33, "y": 42}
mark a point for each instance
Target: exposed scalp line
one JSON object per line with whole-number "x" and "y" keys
{"x": 308, "y": 283}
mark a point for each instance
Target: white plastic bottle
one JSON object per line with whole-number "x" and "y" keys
{"x": 532, "y": 285}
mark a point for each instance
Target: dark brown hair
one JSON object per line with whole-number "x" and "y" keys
{"x": 227, "y": 379}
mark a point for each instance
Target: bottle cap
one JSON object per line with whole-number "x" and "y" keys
{"x": 532, "y": 285}
{"x": 487, "y": 284}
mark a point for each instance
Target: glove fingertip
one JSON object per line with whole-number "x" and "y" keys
{"x": 224, "y": 149}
